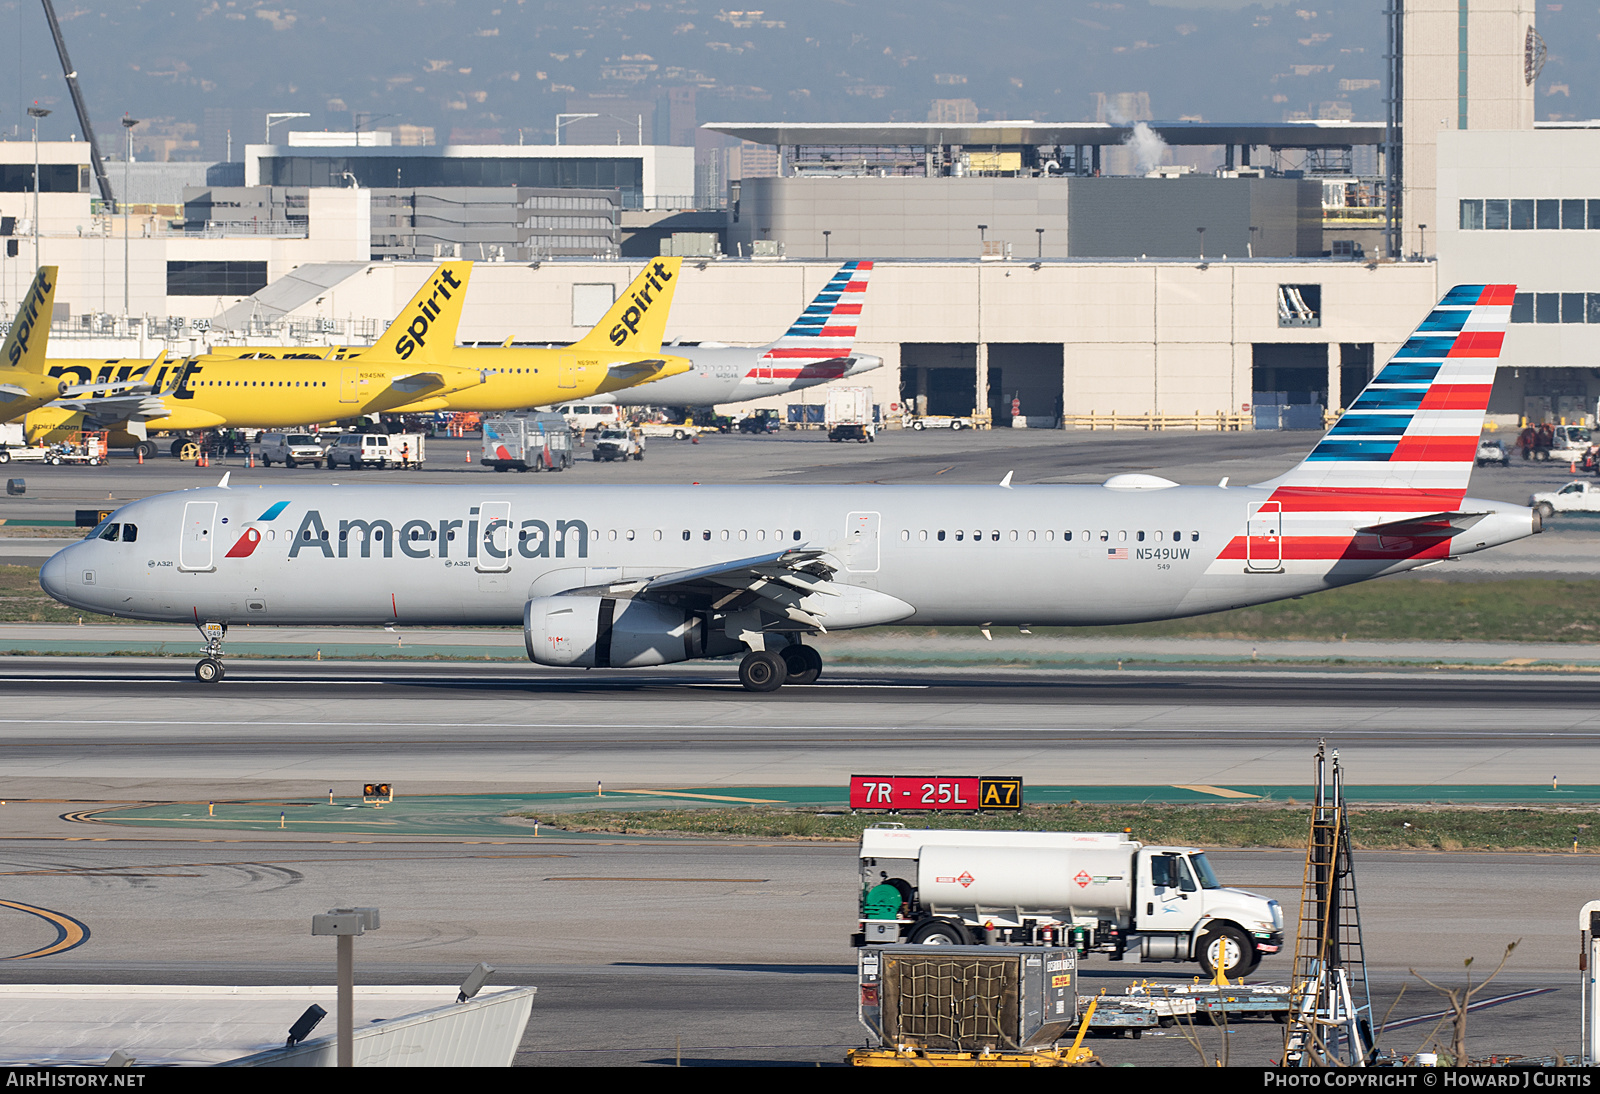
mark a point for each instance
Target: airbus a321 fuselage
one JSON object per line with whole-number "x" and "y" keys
{"x": 621, "y": 577}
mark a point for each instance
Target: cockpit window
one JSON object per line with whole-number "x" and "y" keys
{"x": 130, "y": 533}
{"x": 112, "y": 532}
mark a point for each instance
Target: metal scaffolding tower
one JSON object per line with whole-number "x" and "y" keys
{"x": 1331, "y": 1023}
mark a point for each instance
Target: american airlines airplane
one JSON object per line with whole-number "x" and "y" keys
{"x": 626, "y": 577}
{"x": 816, "y": 349}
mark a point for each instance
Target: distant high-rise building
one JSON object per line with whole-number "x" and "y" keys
{"x": 953, "y": 112}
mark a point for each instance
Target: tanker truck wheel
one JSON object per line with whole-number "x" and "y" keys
{"x": 940, "y": 932}
{"x": 1227, "y": 946}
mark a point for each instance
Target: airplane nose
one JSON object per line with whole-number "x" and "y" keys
{"x": 53, "y": 574}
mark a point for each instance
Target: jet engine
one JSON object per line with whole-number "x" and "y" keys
{"x": 606, "y": 633}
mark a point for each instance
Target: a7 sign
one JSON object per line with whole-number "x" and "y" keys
{"x": 936, "y": 793}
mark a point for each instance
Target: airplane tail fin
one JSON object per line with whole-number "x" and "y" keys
{"x": 1412, "y": 434}
{"x": 638, "y": 319}
{"x": 25, "y": 344}
{"x": 827, "y": 328}
{"x": 425, "y": 332}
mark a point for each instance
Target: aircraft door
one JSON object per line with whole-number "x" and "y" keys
{"x": 764, "y": 369}
{"x": 349, "y": 385}
{"x": 499, "y": 541}
{"x": 567, "y": 372}
{"x": 1263, "y": 550}
{"x": 195, "y": 548}
{"x": 861, "y": 543}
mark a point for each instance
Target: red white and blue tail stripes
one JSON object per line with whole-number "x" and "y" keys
{"x": 827, "y": 328}
{"x": 1385, "y": 485}
{"x": 1416, "y": 426}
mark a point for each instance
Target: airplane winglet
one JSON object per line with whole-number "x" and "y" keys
{"x": 224, "y": 483}
{"x": 1006, "y": 482}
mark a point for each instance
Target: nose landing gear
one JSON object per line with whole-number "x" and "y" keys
{"x": 208, "y": 670}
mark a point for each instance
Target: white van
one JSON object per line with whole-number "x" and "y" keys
{"x": 355, "y": 450}
{"x": 289, "y": 449}
{"x": 587, "y": 416}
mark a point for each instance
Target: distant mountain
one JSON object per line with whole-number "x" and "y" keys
{"x": 491, "y": 70}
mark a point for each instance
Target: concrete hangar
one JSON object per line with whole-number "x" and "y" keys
{"x": 1008, "y": 269}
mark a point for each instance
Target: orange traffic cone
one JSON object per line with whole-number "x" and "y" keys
{"x": 140, "y": 452}
{"x": 252, "y": 459}
{"x": 468, "y": 458}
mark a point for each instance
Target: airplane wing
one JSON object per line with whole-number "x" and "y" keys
{"x": 419, "y": 384}
{"x": 775, "y": 583}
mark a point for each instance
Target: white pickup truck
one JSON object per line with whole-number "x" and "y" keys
{"x": 1575, "y": 497}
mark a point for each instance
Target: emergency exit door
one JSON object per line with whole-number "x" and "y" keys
{"x": 349, "y": 385}
{"x": 861, "y": 543}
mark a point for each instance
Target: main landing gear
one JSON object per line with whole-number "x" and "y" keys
{"x": 208, "y": 670}
{"x": 768, "y": 670}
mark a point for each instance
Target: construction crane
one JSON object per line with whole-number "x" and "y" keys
{"x": 77, "y": 104}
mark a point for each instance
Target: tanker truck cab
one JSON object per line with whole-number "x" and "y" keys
{"x": 1099, "y": 892}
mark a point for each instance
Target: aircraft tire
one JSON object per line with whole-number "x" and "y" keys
{"x": 803, "y": 662}
{"x": 147, "y": 449}
{"x": 208, "y": 670}
{"x": 762, "y": 671}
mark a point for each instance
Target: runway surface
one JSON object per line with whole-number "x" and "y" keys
{"x": 83, "y": 727}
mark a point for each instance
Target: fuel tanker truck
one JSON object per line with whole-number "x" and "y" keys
{"x": 1098, "y": 892}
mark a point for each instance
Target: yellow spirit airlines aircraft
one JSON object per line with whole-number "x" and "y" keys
{"x": 258, "y": 387}
{"x": 26, "y": 384}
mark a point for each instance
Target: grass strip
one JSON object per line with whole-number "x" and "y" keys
{"x": 1438, "y": 828}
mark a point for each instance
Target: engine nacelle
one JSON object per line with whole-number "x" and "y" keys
{"x": 606, "y": 633}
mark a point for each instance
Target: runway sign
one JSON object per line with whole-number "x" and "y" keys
{"x": 936, "y": 793}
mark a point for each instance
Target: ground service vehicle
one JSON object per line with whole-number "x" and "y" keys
{"x": 1098, "y": 892}
{"x": 618, "y": 444}
{"x": 937, "y": 421}
{"x": 355, "y": 450}
{"x": 1491, "y": 450}
{"x": 765, "y": 420}
{"x": 582, "y": 417}
{"x": 522, "y": 442}
{"x": 631, "y": 576}
{"x": 848, "y": 414}
{"x": 1575, "y": 497}
{"x": 289, "y": 449}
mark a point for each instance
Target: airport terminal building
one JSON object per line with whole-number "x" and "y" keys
{"x": 1013, "y": 270}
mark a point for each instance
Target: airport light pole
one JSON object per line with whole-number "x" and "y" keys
{"x": 1040, "y": 233}
{"x": 36, "y": 112}
{"x": 274, "y": 119}
{"x": 127, "y": 124}
{"x": 345, "y": 924}
{"x": 825, "y": 234}
{"x": 570, "y": 118}
{"x": 1202, "y": 232}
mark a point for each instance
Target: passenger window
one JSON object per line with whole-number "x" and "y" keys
{"x": 630, "y": 535}
{"x": 1158, "y": 535}
{"x": 923, "y": 535}
{"x": 686, "y": 533}
{"x": 941, "y": 535}
{"x": 1195, "y": 536}
{"x": 995, "y": 535}
{"x": 612, "y": 535}
{"x": 905, "y": 534}
{"x": 1177, "y": 537}
{"x": 1104, "y": 535}
{"x": 797, "y": 533}
{"x": 743, "y": 534}
{"x": 706, "y": 535}
{"x": 960, "y": 535}
{"x": 1066, "y": 537}
{"x": 1141, "y": 537}
{"x": 1122, "y": 536}
{"x": 724, "y": 534}
{"x": 761, "y": 533}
